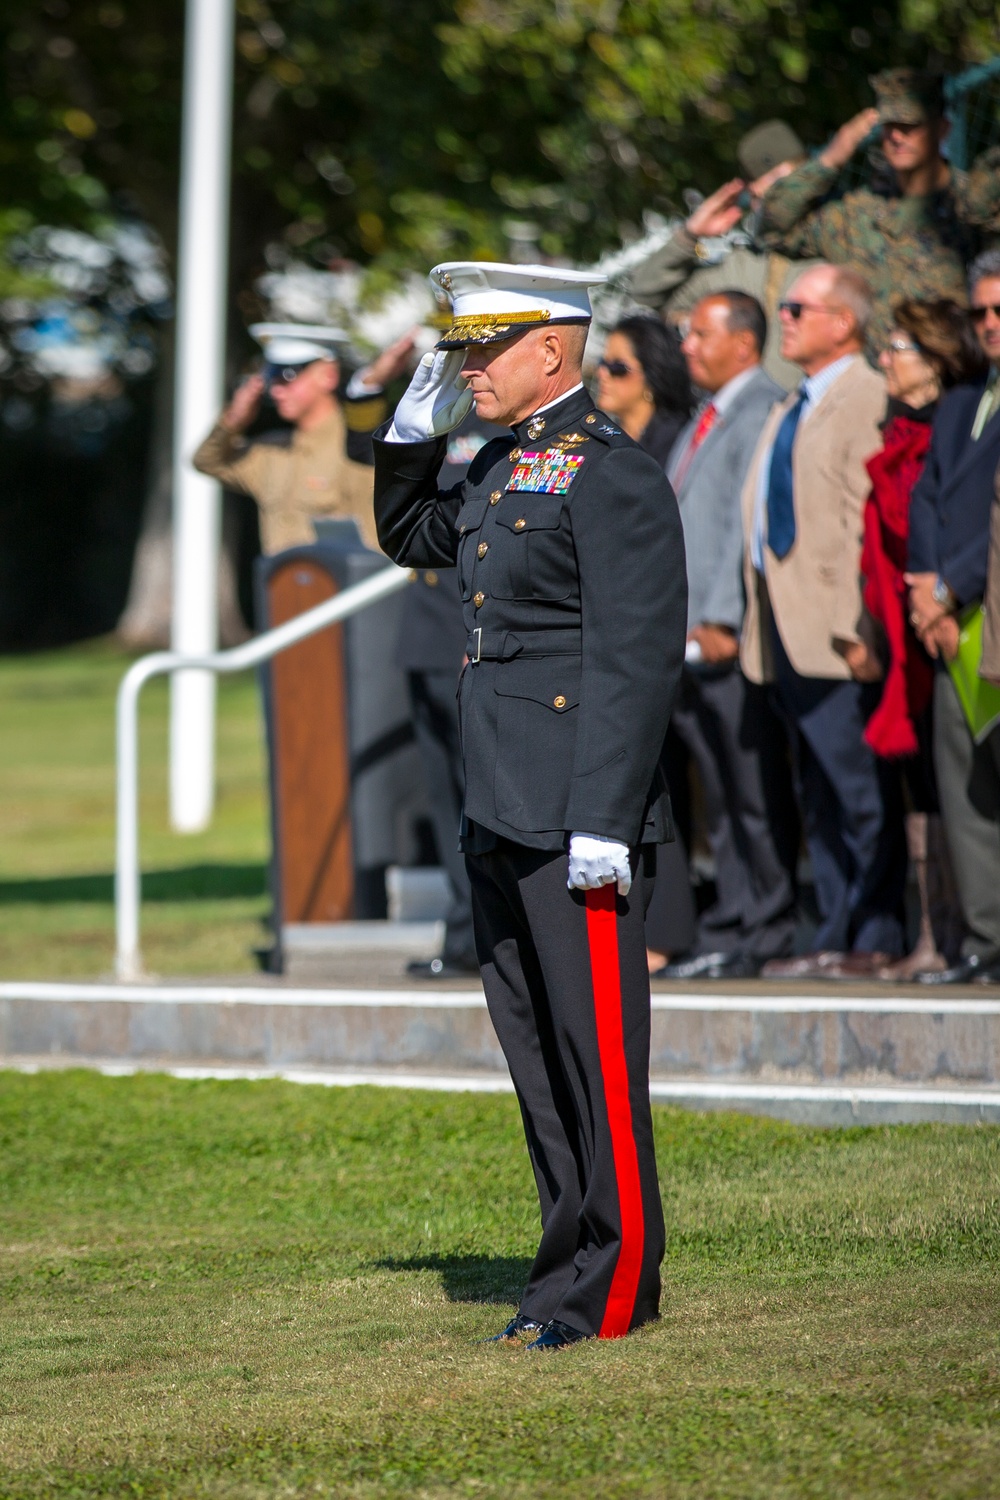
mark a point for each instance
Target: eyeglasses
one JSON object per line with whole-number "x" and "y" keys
{"x": 978, "y": 314}
{"x": 616, "y": 368}
{"x": 796, "y": 309}
{"x": 900, "y": 346}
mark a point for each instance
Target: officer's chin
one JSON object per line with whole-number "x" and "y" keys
{"x": 487, "y": 406}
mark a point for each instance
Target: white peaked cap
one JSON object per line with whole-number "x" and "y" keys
{"x": 492, "y": 301}
{"x": 298, "y": 343}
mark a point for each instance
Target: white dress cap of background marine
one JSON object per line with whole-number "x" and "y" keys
{"x": 292, "y": 346}
{"x": 492, "y": 302}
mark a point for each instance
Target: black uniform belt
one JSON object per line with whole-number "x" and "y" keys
{"x": 504, "y": 645}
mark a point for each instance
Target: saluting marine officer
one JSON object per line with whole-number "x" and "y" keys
{"x": 571, "y": 566}
{"x": 325, "y": 470}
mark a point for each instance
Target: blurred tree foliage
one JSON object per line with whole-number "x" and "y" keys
{"x": 402, "y": 131}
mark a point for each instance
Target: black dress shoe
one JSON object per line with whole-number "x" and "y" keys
{"x": 738, "y": 966}
{"x": 442, "y": 968}
{"x": 697, "y": 967}
{"x": 556, "y": 1335}
{"x": 965, "y": 971}
{"x": 518, "y": 1326}
{"x": 712, "y": 966}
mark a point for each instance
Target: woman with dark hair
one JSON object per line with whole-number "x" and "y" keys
{"x": 930, "y": 348}
{"x": 643, "y": 383}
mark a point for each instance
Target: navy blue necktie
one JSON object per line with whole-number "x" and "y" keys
{"x": 780, "y": 488}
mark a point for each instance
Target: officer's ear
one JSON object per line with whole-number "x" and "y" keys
{"x": 553, "y": 350}
{"x": 329, "y": 373}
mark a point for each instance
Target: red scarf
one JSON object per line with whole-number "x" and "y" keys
{"x": 909, "y": 680}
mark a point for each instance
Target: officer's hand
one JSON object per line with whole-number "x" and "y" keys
{"x": 434, "y": 402}
{"x": 849, "y": 138}
{"x": 389, "y": 365}
{"x": 243, "y": 407}
{"x": 719, "y": 212}
{"x": 596, "y": 861}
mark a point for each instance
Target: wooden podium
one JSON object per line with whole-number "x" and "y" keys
{"x": 310, "y": 786}
{"x": 347, "y": 793}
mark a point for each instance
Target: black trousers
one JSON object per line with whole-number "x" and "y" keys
{"x": 741, "y": 751}
{"x": 852, "y": 809}
{"x": 568, "y": 992}
{"x": 434, "y": 707}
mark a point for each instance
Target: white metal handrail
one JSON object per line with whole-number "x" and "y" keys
{"x": 128, "y": 958}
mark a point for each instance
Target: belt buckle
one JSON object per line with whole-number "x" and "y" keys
{"x": 478, "y": 633}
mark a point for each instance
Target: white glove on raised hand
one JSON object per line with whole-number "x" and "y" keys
{"x": 595, "y": 861}
{"x": 435, "y": 401}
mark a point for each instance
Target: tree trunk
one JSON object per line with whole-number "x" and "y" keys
{"x": 145, "y": 622}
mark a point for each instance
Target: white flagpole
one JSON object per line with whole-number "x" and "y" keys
{"x": 203, "y": 247}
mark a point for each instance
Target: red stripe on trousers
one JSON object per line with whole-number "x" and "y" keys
{"x": 602, "y": 934}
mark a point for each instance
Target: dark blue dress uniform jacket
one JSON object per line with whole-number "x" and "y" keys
{"x": 575, "y": 604}
{"x": 950, "y": 508}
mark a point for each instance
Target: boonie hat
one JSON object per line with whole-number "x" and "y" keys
{"x": 491, "y": 301}
{"x": 767, "y": 145}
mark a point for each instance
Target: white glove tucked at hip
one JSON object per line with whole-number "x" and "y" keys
{"x": 595, "y": 861}
{"x": 435, "y": 401}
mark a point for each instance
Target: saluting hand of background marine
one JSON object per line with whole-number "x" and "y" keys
{"x": 722, "y": 210}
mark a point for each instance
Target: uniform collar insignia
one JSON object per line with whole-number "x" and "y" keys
{"x": 568, "y": 409}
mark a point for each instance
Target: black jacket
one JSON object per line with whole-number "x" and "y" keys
{"x": 431, "y": 629}
{"x": 576, "y": 607}
{"x": 950, "y": 508}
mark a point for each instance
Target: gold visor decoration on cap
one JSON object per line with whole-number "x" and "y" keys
{"x": 484, "y": 328}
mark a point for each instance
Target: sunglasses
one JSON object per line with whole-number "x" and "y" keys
{"x": 796, "y": 309}
{"x": 616, "y": 368}
{"x": 978, "y": 314}
{"x": 900, "y": 346}
{"x": 281, "y": 375}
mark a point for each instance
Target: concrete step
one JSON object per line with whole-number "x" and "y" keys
{"x": 776, "y": 1053}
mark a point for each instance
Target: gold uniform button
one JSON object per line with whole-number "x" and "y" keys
{"x": 414, "y": 575}
{"x": 515, "y": 454}
{"x": 431, "y": 578}
{"x": 496, "y": 496}
{"x": 559, "y": 702}
{"x": 520, "y": 524}
{"x": 482, "y": 549}
{"x": 478, "y": 599}
{"x": 592, "y": 418}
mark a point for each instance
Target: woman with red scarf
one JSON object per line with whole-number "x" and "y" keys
{"x": 930, "y": 348}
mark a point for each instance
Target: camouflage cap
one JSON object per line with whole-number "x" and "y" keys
{"x": 906, "y": 96}
{"x": 766, "y": 146}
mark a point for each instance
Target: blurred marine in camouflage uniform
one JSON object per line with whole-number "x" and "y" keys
{"x": 914, "y": 234}
{"x": 714, "y": 251}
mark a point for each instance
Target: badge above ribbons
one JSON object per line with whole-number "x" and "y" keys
{"x": 548, "y": 473}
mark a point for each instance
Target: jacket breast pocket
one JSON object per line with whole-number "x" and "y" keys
{"x": 468, "y": 523}
{"x": 537, "y": 557}
{"x": 536, "y": 738}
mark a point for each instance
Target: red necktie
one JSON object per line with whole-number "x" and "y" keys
{"x": 703, "y": 427}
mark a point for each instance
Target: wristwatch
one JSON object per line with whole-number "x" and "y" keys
{"x": 942, "y": 594}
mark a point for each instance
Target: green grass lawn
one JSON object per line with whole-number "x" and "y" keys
{"x": 257, "y": 1289}
{"x": 204, "y": 901}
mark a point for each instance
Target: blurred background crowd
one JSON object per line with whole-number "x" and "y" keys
{"x": 801, "y": 323}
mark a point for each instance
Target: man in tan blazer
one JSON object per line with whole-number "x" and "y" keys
{"x": 806, "y": 629}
